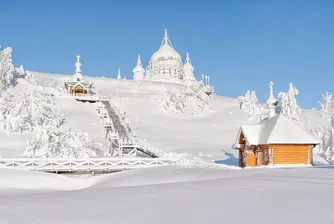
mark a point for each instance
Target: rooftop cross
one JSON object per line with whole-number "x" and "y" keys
{"x": 166, "y": 40}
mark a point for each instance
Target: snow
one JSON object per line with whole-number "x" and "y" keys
{"x": 206, "y": 187}
{"x": 194, "y": 195}
{"x": 278, "y": 129}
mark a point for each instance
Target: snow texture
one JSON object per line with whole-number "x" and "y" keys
{"x": 24, "y": 113}
{"x": 277, "y": 130}
{"x": 289, "y": 106}
{"x": 54, "y": 141}
{"x": 187, "y": 102}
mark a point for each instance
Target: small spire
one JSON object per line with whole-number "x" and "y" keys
{"x": 166, "y": 37}
{"x": 138, "y": 60}
{"x": 271, "y": 84}
{"x": 188, "y": 59}
{"x": 166, "y": 40}
{"x": 271, "y": 101}
{"x": 119, "y": 74}
{"x": 78, "y": 65}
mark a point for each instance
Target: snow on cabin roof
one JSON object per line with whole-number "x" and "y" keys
{"x": 277, "y": 130}
{"x": 83, "y": 84}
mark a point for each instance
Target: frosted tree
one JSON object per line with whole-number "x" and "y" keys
{"x": 54, "y": 141}
{"x": 7, "y": 69}
{"x": 326, "y": 102}
{"x": 187, "y": 102}
{"x": 33, "y": 109}
{"x": 249, "y": 102}
{"x": 326, "y": 135}
{"x": 289, "y": 106}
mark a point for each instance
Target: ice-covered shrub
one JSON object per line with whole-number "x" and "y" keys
{"x": 184, "y": 102}
{"x": 289, "y": 106}
{"x": 7, "y": 69}
{"x": 33, "y": 109}
{"x": 326, "y": 135}
{"x": 326, "y": 103}
{"x": 61, "y": 142}
{"x": 249, "y": 102}
{"x": 326, "y": 147}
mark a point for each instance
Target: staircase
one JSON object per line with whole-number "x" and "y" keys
{"x": 122, "y": 130}
{"x": 123, "y": 143}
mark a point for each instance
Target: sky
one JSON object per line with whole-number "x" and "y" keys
{"x": 241, "y": 45}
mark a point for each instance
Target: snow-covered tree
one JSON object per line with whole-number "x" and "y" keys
{"x": 249, "y": 102}
{"x": 54, "y": 141}
{"x": 7, "y": 69}
{"x": 31, "y": 110}
{"x": 326, "y": 135}
{"x": 289, "y": 106}
{"x": 189, "y": 101}
{"x": 326, "y": 102}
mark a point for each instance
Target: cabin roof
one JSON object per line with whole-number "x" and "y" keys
{"x": 277, "y": 130}
{"x": 83, "y": 84}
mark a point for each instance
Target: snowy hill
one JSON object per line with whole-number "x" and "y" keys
{"x": 204, "y": 141}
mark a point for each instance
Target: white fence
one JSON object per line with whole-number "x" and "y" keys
{"x": 90, "y": 164}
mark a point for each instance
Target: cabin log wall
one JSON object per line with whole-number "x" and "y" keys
{"x": 292, "y": 154}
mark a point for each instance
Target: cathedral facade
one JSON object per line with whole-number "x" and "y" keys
{"x": 165, "y": 64}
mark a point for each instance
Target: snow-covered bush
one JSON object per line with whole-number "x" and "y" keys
{"x": 326, "y": 135}
{"x": 33, "y": 109}
{"x": 326, "y": 147}
{"x": 61, "y": 142}
{"x": 185, "y": 102}
{"x": 7, "y": 69}
{"x": 249, "y": 102}
{"x": 289, "y": 106}
{"x": 326, "y": 103}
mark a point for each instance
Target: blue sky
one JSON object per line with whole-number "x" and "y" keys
{"x": 240, "y": 44}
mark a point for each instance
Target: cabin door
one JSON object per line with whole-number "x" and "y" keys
{"x": 259, "y": 158}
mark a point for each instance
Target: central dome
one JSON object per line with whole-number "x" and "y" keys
{"x": 166, "y": 52}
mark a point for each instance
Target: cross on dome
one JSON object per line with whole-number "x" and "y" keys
{"x": 166, "y": 40}
{"x": 271, "y": 101}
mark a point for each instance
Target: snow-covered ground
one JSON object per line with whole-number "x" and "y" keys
{"x": 209, "y": 189}
{"x": 171, "y": 195}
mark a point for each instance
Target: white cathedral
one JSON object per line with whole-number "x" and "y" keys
{"x": 165, "y": 64}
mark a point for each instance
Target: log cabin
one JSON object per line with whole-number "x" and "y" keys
{"x": 276, "y": 140}
{"x": 78, "y": 86}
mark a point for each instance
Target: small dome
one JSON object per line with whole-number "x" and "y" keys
{"x": 271, "y": 101}
{"x": 188, "y": 67}
{"x": 138, "y": 68}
